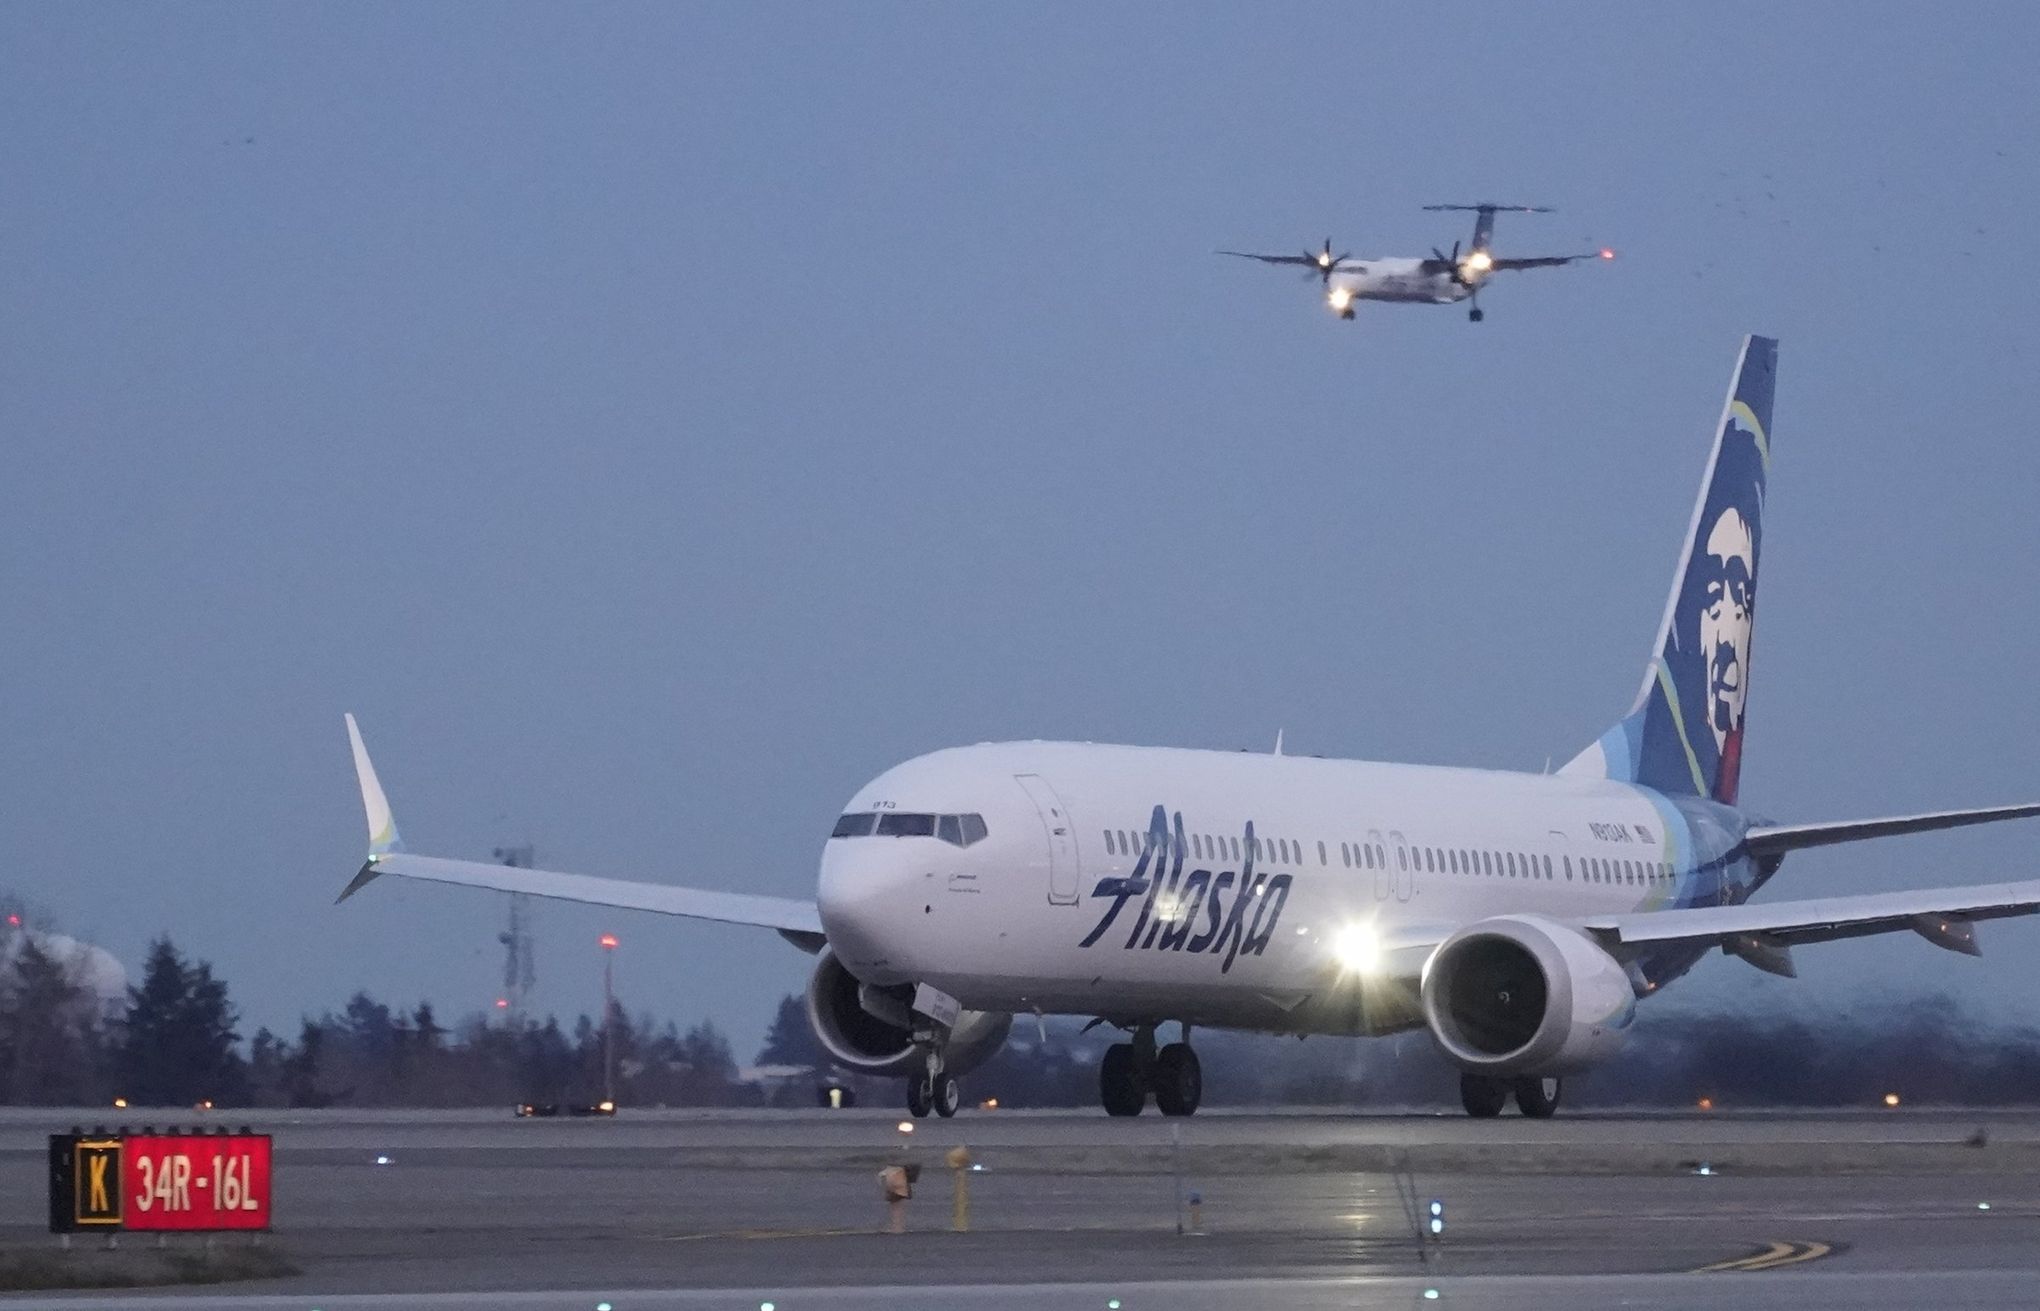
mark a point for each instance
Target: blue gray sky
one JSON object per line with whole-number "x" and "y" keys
{"x": 655, "y": 420}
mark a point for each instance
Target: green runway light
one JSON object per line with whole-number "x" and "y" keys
{"x": 602, "y": 1306}
{"x": 1430, "y": 1295}
{"x": 1112, "y": 1304}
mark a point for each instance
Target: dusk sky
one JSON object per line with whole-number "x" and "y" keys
{"x": 655, "y": 420}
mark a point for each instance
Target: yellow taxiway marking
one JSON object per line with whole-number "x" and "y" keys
{"x": 1774, "y": 1256}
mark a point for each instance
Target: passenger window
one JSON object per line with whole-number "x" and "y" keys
{"x": 1322, "y": 859}
{"x": 857, "y": 825}
{"x": 898, "y": 824}
{"x": 950, "y": 830}
{"x": 973, "y": 829}
{"x": 1547, "y": 866}
{"x": 1567, "y": 861}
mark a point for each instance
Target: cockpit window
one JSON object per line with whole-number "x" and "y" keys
{"x": 857, "y": 824}
{"x": 900, "y": 824}
{"x": 956, "y": 830}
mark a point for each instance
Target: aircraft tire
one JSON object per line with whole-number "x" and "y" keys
{"x": 1539, "y": 1098}
{"x": 947, "y": 1095}
{"x": 1120, "y": 1086}
{"x": 920, "y": 1097}
{"x": 1475, "y": 316}
{"x": 1179, "y": 1080}
{"x": 1483, "y": 1097}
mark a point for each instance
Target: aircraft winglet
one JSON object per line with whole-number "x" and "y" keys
{"x": 382, "y": 825}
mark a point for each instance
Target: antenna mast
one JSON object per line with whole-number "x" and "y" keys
{"x": 520, "y": 969}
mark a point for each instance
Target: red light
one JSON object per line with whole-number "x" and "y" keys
{"x": 608, "y": 941}
{"x": 502, "y": 1003}
{"x": 1607, "y": 253}
{"x": 14, "y": 921}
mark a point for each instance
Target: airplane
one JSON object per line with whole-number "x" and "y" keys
{"x": 1440, "y": 280}
{"x": 1519, "y": 917}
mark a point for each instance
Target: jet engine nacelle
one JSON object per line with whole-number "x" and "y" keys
{"x": 1526, "y": 995}
{"x": 869, "y": 1029}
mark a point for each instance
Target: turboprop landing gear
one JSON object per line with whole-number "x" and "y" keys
{"x": 1483, "y": 1097}
{"x": 1538, "y": 1098}
{"x": 1476, "y": 314}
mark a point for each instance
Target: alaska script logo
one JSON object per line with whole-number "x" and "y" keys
{"x": 1171, "y": 903}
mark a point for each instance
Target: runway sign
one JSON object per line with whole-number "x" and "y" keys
{"x": 191, "y": 1182}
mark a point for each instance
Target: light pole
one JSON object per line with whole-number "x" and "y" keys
{"x": 608, "y": 941}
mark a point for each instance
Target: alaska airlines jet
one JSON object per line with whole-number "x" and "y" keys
{"x": 1440, "y": 280}
{"x": 1518, "y": 917}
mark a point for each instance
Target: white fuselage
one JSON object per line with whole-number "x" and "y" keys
{"x": 1056, "y": 911}
{"x": 1398, "y": 280}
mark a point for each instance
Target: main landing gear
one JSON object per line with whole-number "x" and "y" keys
{"x": 1484, "y": 1096}
{"x": 1133, "y": 1070}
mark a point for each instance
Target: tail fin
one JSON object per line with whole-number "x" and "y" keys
{"x": 1684, "y": 735}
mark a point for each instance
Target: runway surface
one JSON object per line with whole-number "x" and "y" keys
{"x": 736, "y": 1209}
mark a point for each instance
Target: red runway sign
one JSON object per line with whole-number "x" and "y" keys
{"x": 196, "y": 1182}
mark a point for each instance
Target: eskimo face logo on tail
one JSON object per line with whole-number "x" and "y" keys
{"x": 1726, "y": 614}
{"x": 1223, "y": 913}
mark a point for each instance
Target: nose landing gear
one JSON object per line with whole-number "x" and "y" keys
{"x": 937, "y": 1092}
{"x": 934, "y": 1088}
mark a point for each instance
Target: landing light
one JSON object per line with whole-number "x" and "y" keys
{"x": 1340, "y": 299}
{"x": 1480, "y": 261}
{"x": 1357, "y": 949}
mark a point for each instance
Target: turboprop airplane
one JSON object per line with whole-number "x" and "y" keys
{"x": 1440, "y": 280}
{"x": 1518, "y": 917}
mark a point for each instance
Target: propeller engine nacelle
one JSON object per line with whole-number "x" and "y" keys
{"x": 1526, "y": 995}
{"x": 869, "y": 1029}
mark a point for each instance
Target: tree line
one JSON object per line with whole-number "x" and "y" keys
{"x": 175, "y": 1040}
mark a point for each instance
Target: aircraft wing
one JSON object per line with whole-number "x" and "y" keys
{"x": 1549, "y": 261}
{"x": 1940, "y": 915}
{"x": 1311, "y": 262}
{"x": 800, "y": 922}
{"x": 1777, "y": 839}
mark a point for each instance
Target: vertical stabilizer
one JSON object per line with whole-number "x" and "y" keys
{"x": 1685, "y": 733}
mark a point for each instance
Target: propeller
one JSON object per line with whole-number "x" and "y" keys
{"x": 1326, "y": 262}
{"x": 1452, "y": 265}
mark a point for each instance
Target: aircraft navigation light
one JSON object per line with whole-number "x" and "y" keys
{"x": 607, "y": 941}
{"x": 1357, "y": 949}
{"x": 1607, "y": 253}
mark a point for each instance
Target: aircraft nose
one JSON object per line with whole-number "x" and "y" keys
{"x": 870, "y": 897}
